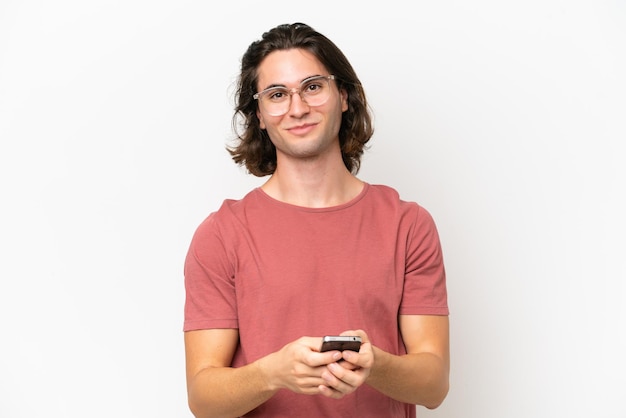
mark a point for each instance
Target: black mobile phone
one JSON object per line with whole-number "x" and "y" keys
{"x": 341, "y": 343}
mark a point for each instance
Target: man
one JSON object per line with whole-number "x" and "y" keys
{"x": 314, "y": 251}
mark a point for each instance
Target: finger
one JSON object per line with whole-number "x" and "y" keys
{"x": 336, "y": 384}
{"x": 347, "y": 365}
{"x": 364, "y": 358}
{"x": 315, "y": 359}
{"x": 344, "y": 380}
{"x": 351, "y": 357}
{"x": 330, "y": 392}
{"x": 339, "y": 389}
{"x": 307, "y": 385}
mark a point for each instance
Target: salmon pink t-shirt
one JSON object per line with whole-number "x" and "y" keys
{"x": 277, "y": 272}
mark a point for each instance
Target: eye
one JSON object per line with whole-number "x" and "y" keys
{"x": 276, "y": 94}
{"x": 313, "y": 87}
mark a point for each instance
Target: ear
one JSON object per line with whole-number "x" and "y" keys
{"x": 344, "y": 100}
{"x": 261, "y": 123}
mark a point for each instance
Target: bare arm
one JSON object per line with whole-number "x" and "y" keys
{"x": 421, "y": 376}
{"x": 217, "y": 390}
{"x": 213, "y": 388}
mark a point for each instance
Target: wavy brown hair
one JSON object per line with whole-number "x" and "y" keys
{"x": 254, "y": 148}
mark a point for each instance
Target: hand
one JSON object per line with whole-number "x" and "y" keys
{"x": 298, "y": 366}
{"x": 345, "y": 377}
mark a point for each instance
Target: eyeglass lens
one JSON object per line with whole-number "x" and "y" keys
{"x": 314, "y": 92}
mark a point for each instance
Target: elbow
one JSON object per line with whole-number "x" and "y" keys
{"x": 198, "y": 410}
{"x": 199, "y": 405}
{"x": 195, "y": 410}
{"x": 199, "y": 413}
{"x": 437, "y": 397}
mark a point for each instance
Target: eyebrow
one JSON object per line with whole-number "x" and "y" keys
{"x": 271, "y": 86}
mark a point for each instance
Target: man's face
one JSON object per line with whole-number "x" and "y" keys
{"x": 303, "y": 131}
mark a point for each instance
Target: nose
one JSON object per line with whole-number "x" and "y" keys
{"x": 297, "y": 106}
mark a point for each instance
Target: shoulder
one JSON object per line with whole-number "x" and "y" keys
{"x": 382, "y": 194}
{"x": 236, "y": 207}
{"x": 381, "y": 190}
{"x": 232, "y": 212}
{"x": 389, "y": 199}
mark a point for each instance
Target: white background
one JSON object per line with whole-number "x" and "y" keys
{"x": 505, "y": 119}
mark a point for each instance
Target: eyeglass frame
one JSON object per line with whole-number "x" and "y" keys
{"x": 293, "y": 90}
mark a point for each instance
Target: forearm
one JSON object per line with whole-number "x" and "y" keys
{"x": 419, "y": 378}
{"x": 227, "y": 392}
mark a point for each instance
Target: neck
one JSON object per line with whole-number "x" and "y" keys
{"x": 313, "y": 183}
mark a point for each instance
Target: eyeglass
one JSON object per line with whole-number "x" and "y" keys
{"x": 314, "y": 91}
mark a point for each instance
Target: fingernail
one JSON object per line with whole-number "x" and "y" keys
{"x": 337, "y": 355}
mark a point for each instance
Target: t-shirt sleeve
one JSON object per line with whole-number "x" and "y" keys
{"x": 425, "y": 291}
{"x": 210, "y": 300}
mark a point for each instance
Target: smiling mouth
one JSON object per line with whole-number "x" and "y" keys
{"x": 299, "y": 127}
{"x": 303, "y": 128}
